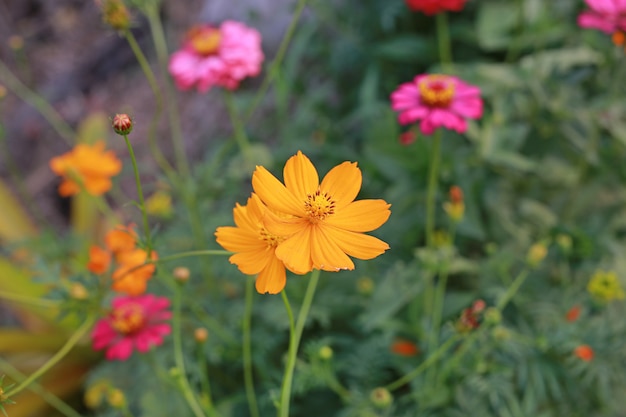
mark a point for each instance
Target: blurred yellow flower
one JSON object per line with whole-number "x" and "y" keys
{"x": 159, "y": 204}
{"x": 605, "y": 286}
{"x": 536, "y": 254}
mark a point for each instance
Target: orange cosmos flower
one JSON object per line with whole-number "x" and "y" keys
{"x": 573, "y": 313}
{"x": 584, "y": 352}
{"x": 322, "y": 224}
{"x": 131, "y": 277}
{"x": 255, "y": 246}
{"x": 88, "y": 167}
{"x": 99, "y": 260}
{"x": 121, "y": 239}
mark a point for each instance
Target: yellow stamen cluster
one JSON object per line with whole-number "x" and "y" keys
{"x": 271, "y": 240}
{"x": 318, "y": 206}
{"x": 605, "y": 286}
{"x": 205, "y": 41}
{"x": 436, "y": 90}
{"x": 128, "y": 318}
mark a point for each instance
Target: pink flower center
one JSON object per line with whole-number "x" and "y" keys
{"x": 128, "y": 319}
{"x": 436, "y": 90}
{"x": 318, "y": 206}
{"x": 205, "y": 41}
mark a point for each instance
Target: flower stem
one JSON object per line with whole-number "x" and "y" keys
{"x": 54, "y": 401}
{"x": 205, "y": 397}
{"x": 295, "y": 334}
{"x": 179, "y": 360}
{"x": 431, "y": 191}
{"x": 65, "y": 349}
{"x": 240, "y": 133}
{"x": 443, "y": 41}
{"x": 38, "y": 102}
{"x": 280, "y": 54}
{"x": 424, "y": 365}
{"x": 247, "y": 350}
{"x": 142, "y": 206}
{"x": 512, "y": 290}
{"x": 207, "y": 252}
{"x": 39, "y": 302}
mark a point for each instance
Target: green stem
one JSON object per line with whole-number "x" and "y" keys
{"x": 179, "y": 360}
{"x": 280, "y": 54}
{"x": 65, "y": 349}
{"x": 431, "y": 192}
{"x": 443, "y": 41}
{"x": 206, "y": 398}
{"x": 160, "y": 45}
{"x": 154, "y": 86}
{"x": 39, "y": 103}
{"x": 29, "y": 300}
{"x": 294, "y": 340}
{"x": 142, "y": 206}
{"x": 54, "y": 401}
{"x": 247, "y": 350}
{"x": 424, "y": 365}
{"x": 512, "y": 290}
{"x": 240, "y": 133}
{"x": 189, "y": 254}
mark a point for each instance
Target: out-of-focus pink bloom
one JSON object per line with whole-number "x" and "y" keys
{"x": 436, "y": 101}
{"x": 431, "y": 7}
{"x": 217, "y": 56}
{"x": 133, "y": 323}
{"x": 609, "y": 16}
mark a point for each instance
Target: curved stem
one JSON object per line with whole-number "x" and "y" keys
{"x": 179, "y": 360}
{"x": 29, "y": 300}
{"x": 280, "y": 54}
{"x": 65, "y": 349}
{"x": 39, "y": 103}
{"x": 443, "y": 41}
{"x": 512, "y": 290}
{"x": 431, "y": 192}
{"x": 205, "y": 398}
{"x": 142, "y": 206}
{"x": 207, "y": 252}
{"x": 247, "y": 350}
{"x": 294, "y": 340}
{"x": 240, "y": 133}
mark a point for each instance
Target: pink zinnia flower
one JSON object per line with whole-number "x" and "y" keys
{"x": 609, "y": 16}
{"x": 134, "y": 323}
{"x": 217, "y": 56}
{"x": 437, "y": 100}
{"x": 431, "y": 7}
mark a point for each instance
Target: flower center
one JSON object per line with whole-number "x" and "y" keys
{"x": 271, "y": 240}
{"x": 318, "y": 206}
{"x": 204, "y": 40}
{"x": 436, "y": 90}
{"x": 128, "y": 318}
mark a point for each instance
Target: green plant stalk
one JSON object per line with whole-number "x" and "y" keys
{"x": 142, "y": 205}
{"x": 160, "y": 45}
{"x": 179, "y": 360}
{"x": 424, "y": 365}
{"x": 280, "y": 54}
{"x": 247, "y": 350}
{"x": 65, "y": 349}
{"x": 453, "y": 361}
{"x": 431, "y": 191}
{"x": 48, "y": 397}
{"x": 192, "y": 253}
{"x": 240, "y": 133}
{"x": 154, "y": 86}
{"x": 443, "y": 41}
{"x": 29, "y": 300}
{"x": 38, "y": 103}
{"x": 295, "y": 334}
{"x": 335, "y": 385}
{"x": 512, "y": 290}
{"x": 206, "y": 398}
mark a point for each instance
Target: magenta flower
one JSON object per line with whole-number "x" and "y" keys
{"x": 221, "y": 57}
{"x": 134, "y": 323}
{"x": 437, "y": 100}
{"x": 609, "y": 16}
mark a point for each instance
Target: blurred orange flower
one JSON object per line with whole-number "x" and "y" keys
{"x": 121, "y": 239}
{"x": 99, "y": 260}
{"x": 573, "y": 313}
{"x": 131, "y": 277}
{"x": 86, "y": 166}
{"x": 584, "y": 352}
{"x": 404, "y": 348}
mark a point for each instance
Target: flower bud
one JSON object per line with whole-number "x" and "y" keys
{"x": 16, "y": 42}
{"x": 95, "y": 394}
{"x": 325, "y": 352}
{"x": 201, "y": 334}
{"x": 181, "y": 274}
{"x": 381, "y": 397}
{"x": 564, "y": 242}
{"x": 122, "y": 124}
{"x": 116, "y": 398}
{"x": 365, "y": 285}
{"x": 493, "y": 316}
{"x": 536, "y": 254}
{"x": 115, "y": 14}
{"x": 78, "y": 291}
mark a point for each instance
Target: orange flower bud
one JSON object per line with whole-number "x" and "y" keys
{"x": 584, "y": 352}
{"x": 122, "y": 124}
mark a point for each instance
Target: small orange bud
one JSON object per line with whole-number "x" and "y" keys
{"x": 573, "y": 313}
{"x": 456, "y": 194}
{"x": 99, "y": 260}
{"x": 404, "y": 347}
{"x": 122, "y": 124}
{"x": 181, "y": 274}
{"x": 115, "y": 14}
{"x": 201, "y": 334}
{"x": 584, "y": 352}
{"x": 618, "y": 38}
{"x": 78, "y": 291}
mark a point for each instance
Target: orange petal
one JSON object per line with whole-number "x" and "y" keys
{"x": 235, "y": 239}
{"x": 357, "y": 245}
{"x": 326, "y": 254}
{"x": 283, "y": 226}
{"x": 252, "y": 262}
{"x": 295, "y": 252}
{"x": 272, "y": 278}
{"x": 301, "y": 176}
{"x": 342, "y": 183}
{"x": 360, "y": 216}
{"x": 274, "y": 194}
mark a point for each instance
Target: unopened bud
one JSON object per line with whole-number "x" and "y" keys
{"x": 381, "y": 397}
{"x": 536, "y": 254}
{"x": 116, "y": 398}
{"x": 326, "y": 352}
{"x": 122, "y": 124}
{"x": 115, "y": 14}
{"x": 456, "y": 194}
{"x": 564, "y": 242}
{"x": 365, "y": 285}
{"x": 16, "y": 42}
{"x": 493, "y": 316}
{"x": 181, "y": 274}
{"x": 201, "y": 334}
{"x": 78, "y": 291}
